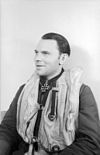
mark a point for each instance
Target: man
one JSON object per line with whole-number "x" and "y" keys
{"x": 54, "y": 113}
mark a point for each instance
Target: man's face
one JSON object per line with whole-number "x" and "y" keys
{"x": 47, "y": 58}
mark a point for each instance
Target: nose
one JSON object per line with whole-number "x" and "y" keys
{"x": 38, "y": 57}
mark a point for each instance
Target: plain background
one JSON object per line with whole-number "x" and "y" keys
{"x": 22, "y": 24}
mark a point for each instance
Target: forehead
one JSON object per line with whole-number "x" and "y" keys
{"x": 47, "y": 45}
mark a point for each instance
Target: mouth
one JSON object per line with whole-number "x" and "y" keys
{"x": 39, "y": 66}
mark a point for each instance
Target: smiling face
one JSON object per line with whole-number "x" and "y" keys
{"x": 47, "y": 58}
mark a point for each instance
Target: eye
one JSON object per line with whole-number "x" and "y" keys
{"x": 36, "y": 52}
{"x": 45, "y": 52}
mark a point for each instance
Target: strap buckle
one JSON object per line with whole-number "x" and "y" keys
{"x": 51, "y": 117}
{"x": 55, "y": 148}
{"x": 35, "y": 141}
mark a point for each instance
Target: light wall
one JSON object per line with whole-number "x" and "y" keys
{"x": 22, "y": 24}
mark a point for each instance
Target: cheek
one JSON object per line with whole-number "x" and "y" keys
{"x": 54, "y": 65}
{"x": 51, "y": 61}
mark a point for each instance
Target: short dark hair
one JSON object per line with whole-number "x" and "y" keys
{"x": 62, "y": 42}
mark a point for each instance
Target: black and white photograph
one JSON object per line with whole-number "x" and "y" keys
{"x": 49, "y": 77}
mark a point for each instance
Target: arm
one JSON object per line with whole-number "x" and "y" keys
{"x": 8, "y": 133}
{"x": 87, "y": 139}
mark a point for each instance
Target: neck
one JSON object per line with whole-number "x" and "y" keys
{"x": 55, "y": 74}
{"x": 44, "y": 78}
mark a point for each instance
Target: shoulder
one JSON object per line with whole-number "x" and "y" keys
{"x": 86, "y": 99}
{"x": 86, "y": 93}
{"x": 21, "y": 87}
{"x": 13, "y": 104}
{"x": 19, "y": 90}
{"x": 84, "y": 89}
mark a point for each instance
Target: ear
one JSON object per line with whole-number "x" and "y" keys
{"x": 63, "y": 58}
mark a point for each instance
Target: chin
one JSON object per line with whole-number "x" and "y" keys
{"x": 41, "y": 74}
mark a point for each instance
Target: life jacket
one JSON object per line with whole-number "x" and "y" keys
{"x": 60, "y": 131}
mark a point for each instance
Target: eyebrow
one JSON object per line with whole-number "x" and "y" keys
{"x": 44, "y": 51}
